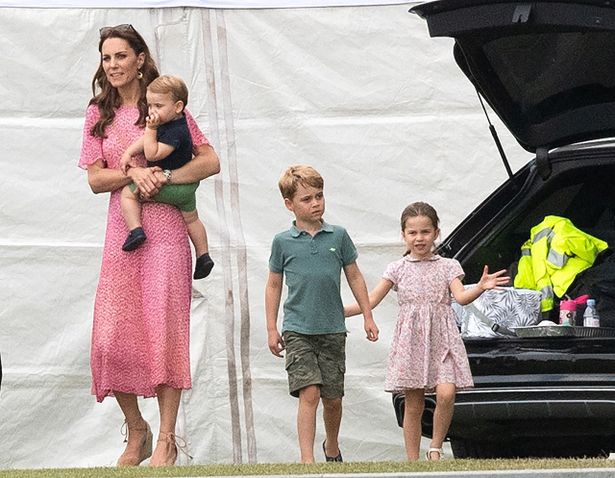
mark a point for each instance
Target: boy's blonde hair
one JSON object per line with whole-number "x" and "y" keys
{"x": 296, "y": 175}
{"x": 167, "y": 84}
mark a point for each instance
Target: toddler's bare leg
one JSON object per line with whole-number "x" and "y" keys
{"x": 131, "y": 208}
{"x": 196, "y": 231}
{"x": 198, "y": 236}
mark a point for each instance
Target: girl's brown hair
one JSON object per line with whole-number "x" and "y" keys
{"x": 108, "y": 98}
{"x": 419, "y": 209}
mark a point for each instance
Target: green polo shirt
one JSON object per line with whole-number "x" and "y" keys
{"x": 312, "y": 268}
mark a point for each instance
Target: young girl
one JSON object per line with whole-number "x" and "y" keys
{"x": 427, "y": 352}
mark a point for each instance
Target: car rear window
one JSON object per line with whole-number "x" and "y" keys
{"x": 547, "y": 74}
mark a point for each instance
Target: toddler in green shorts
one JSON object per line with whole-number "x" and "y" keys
{"x": 166, "y": 143}
{"x": 310, "y": 258}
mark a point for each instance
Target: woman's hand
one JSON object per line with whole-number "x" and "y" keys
{"x": 147, "y": 180}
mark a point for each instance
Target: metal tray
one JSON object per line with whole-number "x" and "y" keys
{"x": 563, "y": 331}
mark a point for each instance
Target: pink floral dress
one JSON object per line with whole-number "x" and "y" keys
{"x": 427, "y": 348}
{"x": 141, "y": 330}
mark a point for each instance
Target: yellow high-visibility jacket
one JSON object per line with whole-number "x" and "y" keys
{"x": 552, "y": 257}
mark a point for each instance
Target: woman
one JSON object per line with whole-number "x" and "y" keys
{"x": 140, "y": 336}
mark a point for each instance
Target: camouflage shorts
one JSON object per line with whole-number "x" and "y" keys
{"x": 316, "y": 360}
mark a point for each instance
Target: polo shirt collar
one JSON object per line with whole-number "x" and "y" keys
{"x": 296, "y": 232}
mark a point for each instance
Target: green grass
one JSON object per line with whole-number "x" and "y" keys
{"x": 319, "y": 468}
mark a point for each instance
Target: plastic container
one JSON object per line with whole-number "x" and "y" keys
{"x": 590, "y": 316}
{"x": 567, "y": 312}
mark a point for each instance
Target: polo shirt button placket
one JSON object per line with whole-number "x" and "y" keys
{"x": 313, "y": 248}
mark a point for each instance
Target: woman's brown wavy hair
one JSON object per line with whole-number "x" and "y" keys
{"x": 108, "y": 98}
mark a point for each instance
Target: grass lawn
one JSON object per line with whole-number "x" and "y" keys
{"x": 319, "y": 468}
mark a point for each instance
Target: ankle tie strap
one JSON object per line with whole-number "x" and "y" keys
{"x": 178, "y": 441}
{"x": 125, "y": 429}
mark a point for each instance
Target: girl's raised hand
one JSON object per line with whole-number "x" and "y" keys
{"x": 492, "y": 281}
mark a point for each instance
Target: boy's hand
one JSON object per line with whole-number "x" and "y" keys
{"x": 276, "y": 343}
{"x": 491, "y": 281}
{"x": 371, "y": 330}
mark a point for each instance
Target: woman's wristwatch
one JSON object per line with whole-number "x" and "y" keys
{"x": 167, "y": 174}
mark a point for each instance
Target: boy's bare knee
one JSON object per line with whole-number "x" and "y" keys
{"x": 332, "y": 404}
{"x": 310, "y": 395}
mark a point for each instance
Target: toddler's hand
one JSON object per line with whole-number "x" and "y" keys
{"x": 152, "y": 121}
{"x": 125, "y": 163}
{"x": 492, "y": 281}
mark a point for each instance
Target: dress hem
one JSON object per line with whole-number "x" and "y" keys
{"x": 148, "y": 394}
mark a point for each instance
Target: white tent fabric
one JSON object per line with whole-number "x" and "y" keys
{"x": 360, "y": 92}
{"x": 224, "y": 4}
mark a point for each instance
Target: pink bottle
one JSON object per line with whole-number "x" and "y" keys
{"x": 568, "y": 309}
{"x": 567, "y": 312}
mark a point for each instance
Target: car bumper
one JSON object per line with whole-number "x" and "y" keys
{"x": 483, "y": 414}
{"x": 530, "y": 412}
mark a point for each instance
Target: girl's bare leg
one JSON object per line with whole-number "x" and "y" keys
{"x": 443, "y": 414}
{"x": 414, "y": 403}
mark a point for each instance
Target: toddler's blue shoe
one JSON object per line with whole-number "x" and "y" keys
{"x": 135, "y": 238}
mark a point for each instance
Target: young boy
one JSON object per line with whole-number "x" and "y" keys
{"x": 311, "y": 256}
{"x": 166, "y": 143}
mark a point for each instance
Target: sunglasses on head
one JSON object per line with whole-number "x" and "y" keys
{"x": 124, "y": 27}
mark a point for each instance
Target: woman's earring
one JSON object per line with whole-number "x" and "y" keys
{"x": 139, "y": 75}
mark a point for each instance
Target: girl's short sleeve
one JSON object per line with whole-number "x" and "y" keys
{"x": 91, "y": 146}
{"x": 392, "y": 273}
{"x": 455, "y": 271}
{"x": 198, "y": 138}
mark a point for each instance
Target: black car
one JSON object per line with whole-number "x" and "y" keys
{"x": 547, "y": 69}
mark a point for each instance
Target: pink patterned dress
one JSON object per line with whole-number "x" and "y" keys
{"x": 427, "y": 348}
{"x": 141, "y": 330}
